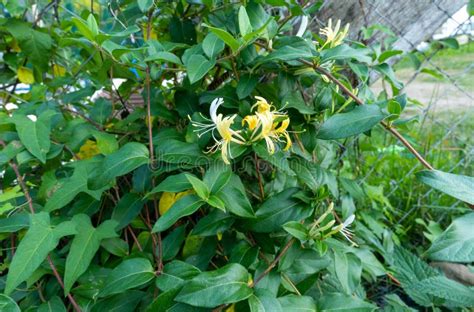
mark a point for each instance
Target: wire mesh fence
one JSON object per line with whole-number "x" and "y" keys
{"x": 440, "y": 89}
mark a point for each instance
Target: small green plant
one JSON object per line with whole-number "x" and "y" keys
{"x": 221, "y": 188}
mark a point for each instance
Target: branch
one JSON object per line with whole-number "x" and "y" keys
{"x": 32, "y": 210}
{"x": 273, "y": 263}
{"x": 150, "y": 144}
{"x": 389, "y": 128}
{"x": 349, "y": 93}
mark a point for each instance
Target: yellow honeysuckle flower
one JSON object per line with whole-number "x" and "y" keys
{"x": 344, "y": 229}
{"x": 251, "y": 121}
{"x": 266, "y": 124}
{"x": 334, "y": 37}
{"x": 270, "y": 125}
{"x": 262, "y": 105}
{"x": 281, "y": 130}
{"x": 223, "y": 126}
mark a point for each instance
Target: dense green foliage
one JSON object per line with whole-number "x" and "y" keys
{"x": 225, "y": 186}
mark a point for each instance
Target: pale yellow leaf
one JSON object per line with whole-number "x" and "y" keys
{"x": 58, "y": 70}
{"x": 25, "y": 75}
{"x": 88, "y": 150}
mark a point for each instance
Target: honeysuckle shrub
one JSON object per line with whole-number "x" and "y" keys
{"x": 186, "y": 156}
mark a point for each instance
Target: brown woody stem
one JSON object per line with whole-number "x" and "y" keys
{"x": 274, "y": 262}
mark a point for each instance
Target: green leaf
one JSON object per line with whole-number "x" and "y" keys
{"x": 348, "y": 270}
{"x": 165, "y": 301}
{"x": 127, "y": 209}
{"x": 216, "y": 202}
{"x": 35, "y": 44}
{"x": 294, "y": 303}
{"x": 296, "y": 101}
{"x": 217, "y": 176}
{"x": 244, "y": 254}
{"x": 387, "y": 71}
{"x": 277, "y": 159}
{"x": 185, "y": 206}
{"x": 223, "y": 286}
{"x": 68, "y": 188}
{"x": 291, "y": 49}
{"x": 7, "y": 304}
{"x": 116, "y": 246}
{"x": 261, "y": 31}
{"x": 84, "y": 246}
{"x": 145, "y": 5}
{"x": 119, "y": 302}
{"x": 200, "y": 187}
{"x": 410, "y": 270}
{"x": 215, "y": 222}
{"x": 35, "y": 134}
{"x": 175, "y": 274}
{"x": 164, "y": 56}
{"x": 278, "y": 210}
{"x": 370, "y": 263}
{"x": 10, "y": 151}
{"x": 106, "y": 142}
{"x": 101, "y": 111}
{"x": 212, "y": 45}
{"x": 174, "y": 184}
{"x": 433, "y": 73}
{"x": 10, "y": 194}
{"x": 263, "y": 301}
{"x": 83, "y": 28}
{"x": 456, "y": 244}
{"x": 345, "y": 52}
{"x": 314, "y": 176}
{"x": 197, "y": 67}
{"x": 14, "y": 223}
{"x": 40, "y": 239}
{"x": 129, "y": 274}
{"x": 359, "y": 120}
{"x": 303, "y": 262}
{"x": 393, "y": 303}
{"x": 177, "y": 152}
{"x": 388, "y": 54}
{"x": 182, "y": 30}
{"x": 340, "y": 303}
{"x": 394, "y": 108}
{"x": 53, "y": 305}
{"x": 225, "y": 36}
{"x": 129, "y": 157}
{"x": 470, "y": 7}
{"x": 244, "y": 22}
{"x": 297, "y": 230}
{"x": 172, "y": 243}
{"x": 117, "y": 50}
{"x": 246, "y": 85}
{"x": 451, "y": 43}
{"x": 456, "y": 294}
{"x": 455, "y": 185}
{"x": 92, "y": 24}
{"x": 235, "y": 199}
